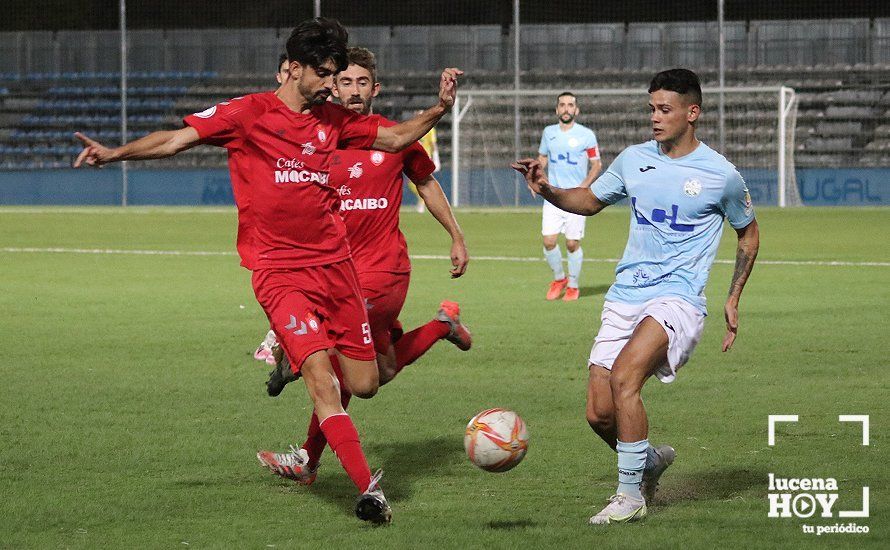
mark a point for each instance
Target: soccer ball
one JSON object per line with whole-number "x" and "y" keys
{"x": 496, "y": 440}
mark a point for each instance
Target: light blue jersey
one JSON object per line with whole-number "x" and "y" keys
{"x": 677, "y": 208}
{"x": 567, "y": 154}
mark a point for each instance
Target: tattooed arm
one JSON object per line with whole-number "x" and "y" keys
{"x": 749, "y": 244}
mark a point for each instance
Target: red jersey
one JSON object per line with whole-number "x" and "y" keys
{"x": 370, "y": 187}
{"x": 278, "y": 161}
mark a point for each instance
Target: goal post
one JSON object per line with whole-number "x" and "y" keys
{"x": 760, "y": 127}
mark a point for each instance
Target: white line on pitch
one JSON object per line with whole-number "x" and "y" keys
{"x": 829, "y": 263}
{"x": 119, "y": 251}
{"x": 826, "y": 263}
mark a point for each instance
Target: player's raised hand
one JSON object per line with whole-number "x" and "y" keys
{"x": 93, "y": 154}
{"x": 534, "y": 174}
{"x": 731, "y": 312}
{"x": 448, "y": 86}
{"x": 459, "y": 258}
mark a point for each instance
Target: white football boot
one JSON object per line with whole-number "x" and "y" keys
{"x": 621, "y": 509}
{"x": 292, "y": 465}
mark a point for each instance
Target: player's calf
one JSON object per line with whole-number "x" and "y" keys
{"x": 604, "y": 426}
{"x": 387, "y": 367}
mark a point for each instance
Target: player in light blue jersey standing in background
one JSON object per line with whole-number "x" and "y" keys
{"x": 570, "y": 155}
{"x": 679, "y": 190}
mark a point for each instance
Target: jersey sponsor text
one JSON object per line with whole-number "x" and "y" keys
{"x": 364, "y": 204}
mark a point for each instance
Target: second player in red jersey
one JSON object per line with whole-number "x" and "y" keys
{"x": 370, "y": 186}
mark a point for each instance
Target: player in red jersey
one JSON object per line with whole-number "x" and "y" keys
{"x": 290, "y": 234}
{"x": 370, "y": 187}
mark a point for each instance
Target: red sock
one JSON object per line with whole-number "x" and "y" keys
{"x": 415, "y": 343}
{"x": 343, "y": 438}
{"x": 315, "y": 439}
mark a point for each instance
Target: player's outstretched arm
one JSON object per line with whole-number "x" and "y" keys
{"x": 395, "y": 138}
{"x": 577, "y": 200}
{"x": 434, "y": 198}
{"x": 746, "y": 253}
{"x": 156, "y": 145}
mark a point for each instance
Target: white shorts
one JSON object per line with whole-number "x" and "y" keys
{"x": 682, "y": 322}
{"x": 556, "y": 221}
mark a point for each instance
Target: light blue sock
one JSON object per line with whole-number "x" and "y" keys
{"x": 554, "y": 260}
{"x": 631, "y": 461}
{"x": 651, "y": 457}
{"x": 575, "y": 260}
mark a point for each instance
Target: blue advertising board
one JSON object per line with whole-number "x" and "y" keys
{"x": 196, "y": 187}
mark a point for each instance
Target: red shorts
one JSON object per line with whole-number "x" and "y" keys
{"x": 315, "y": 308}
{"x": 384, "y": 297}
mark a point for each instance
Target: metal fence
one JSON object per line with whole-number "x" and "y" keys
{"x": 476, "y": 48}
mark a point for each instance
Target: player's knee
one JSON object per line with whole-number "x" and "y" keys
{"x": 623, "y": 384}
{"x": 573, "y": 246}
{"x": 366, "y": 391}
{"x": 366, "y": 387}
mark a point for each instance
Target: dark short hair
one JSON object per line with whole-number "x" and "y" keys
{"x": 566, "y": 94}
{"x": 281, "y": 59}
{"x": 314, "y": 41}
{"x": 364, "y": 58}
{"x": 682, "y": 81}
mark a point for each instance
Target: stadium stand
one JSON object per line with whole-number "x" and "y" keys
{"x": 843, "y": 106}
{"x": 838, "y": 125}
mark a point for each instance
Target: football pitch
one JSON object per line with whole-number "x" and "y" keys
{"x": 132, "y": 407}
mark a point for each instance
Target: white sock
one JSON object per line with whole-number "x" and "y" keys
{"x": 576, "y": 258}
{"x": 554, "y": 260}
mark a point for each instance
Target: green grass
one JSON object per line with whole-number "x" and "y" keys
{"x": 131, "y": 406}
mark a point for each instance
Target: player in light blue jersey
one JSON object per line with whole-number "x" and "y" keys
{"x": 570, "y": 154}
{"x": 678, "y": 190}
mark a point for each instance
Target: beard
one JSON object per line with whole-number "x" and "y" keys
{"x": 566, "y": 118}
{"x": 314, "y": 97}
{"x": 319, "y": 97}
{"x": 359, "y": 105}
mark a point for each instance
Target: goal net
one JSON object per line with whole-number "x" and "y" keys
{"x": 490, "y": 128}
